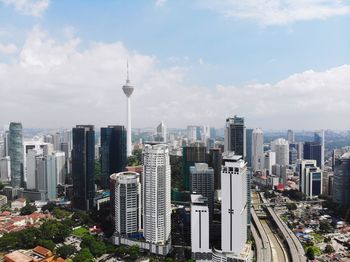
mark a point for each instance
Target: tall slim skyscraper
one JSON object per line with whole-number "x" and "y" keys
{"x": 313, "y": 150}
{"x": 16, "y": 154}
{"x": 258, "y": 149}
{"x": 215, "y": 160}
{"x": 161, "y": 133}
{"x": 290, "y": 136}
{"x": 234, "y": 203}
{"x": 249, "y": 147}
{"x": 320, "y": 138}
{"x": 83, "y": 166}
{"x": 235, "y": 136}
{"x": 113, "y": 152}
{"x": 156, "y": 194}
{"x": 128, "y": 90}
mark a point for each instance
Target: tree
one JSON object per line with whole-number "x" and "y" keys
{"x": 49, "y": 206}
{"x": 84, "y": 256}
{"x": 310, "y": 253}
{"x": 66, "y": 251}
{"x": 327, "y": 240}
{"x": 329, "y": 249}
{"x": 49, "y": 244}
{"x": 97, "y": 248}
{"x": 134, "y": 252}
{"x": 326, "y": 227}
{"x": 27, "y": 210}
{"x": 1, "y": 186}
{"x": 291, "y": 206}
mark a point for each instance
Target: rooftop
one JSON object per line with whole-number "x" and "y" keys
{"x": 17, "y": 256}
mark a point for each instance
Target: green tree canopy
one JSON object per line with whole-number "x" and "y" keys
{"x": 84, "y": 256}
{"x": 27, "y": 210}
{"x": 49, "y": 244}
{"x": 66, "y": 251}
{"x": 329, "y": 249}
{"x": 310, "y": 253}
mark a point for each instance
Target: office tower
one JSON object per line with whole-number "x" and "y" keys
{"x": 235, "y": 136}
{"x": 6, "y": 143}
{"x": 213, "y": 133}
{"x": 195, "y": 153}
{"x": 156, "y": 194}
{"x": 258, "y": 149}
{"x": 293, "y": 155}
{"x": 31, "y": 156}
{"x": 202, "y": 182}
{"x": 249, "y": 147}
{"x": 128, "y": 90}
{"x": 313, "y": 151}
{"x": 270, "y": 160}
{"x": 113, "y": 152}
{"x": 341, "y": 180}
{"x": 320, "y": 138}
{"x": 83, "y": 166}
{"x": 161, "y": 133}
{"x": 302, "y": 165}
{"x": 193, "y": 133}
{"x": 290, "y": 136}
{"x": 205, "y": 133}
{"x": 60, "y": 163}
{"x": 46, "y": 177}
{"x": 300, "y": 149}
{"x": 215, "y": 159}
{"x": 281, "y": 147}
{"x": 65, "y": 147}
{"x": 200, "y": 228}
{"x": 5, "y": 169}
{"x": 127, "y": 203}
{"x": 16, "y": 154}
{"x": 313, "y": 181}
{"x": 234, "y": 203}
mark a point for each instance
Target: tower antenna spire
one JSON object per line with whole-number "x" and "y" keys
{"x": 127, "y": 71}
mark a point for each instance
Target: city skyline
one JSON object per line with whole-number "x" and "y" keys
{"x": 293, "y": 67}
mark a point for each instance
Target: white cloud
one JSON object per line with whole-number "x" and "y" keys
{"x": 7, "y": 48}
{"x": 56, "y": 84}
{"x": 160, "y": 3}
{"x": 29, "y": 7}
{"x": 279, "y": 12}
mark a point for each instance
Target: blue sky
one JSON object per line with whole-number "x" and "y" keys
{"x": 225, "y": 44}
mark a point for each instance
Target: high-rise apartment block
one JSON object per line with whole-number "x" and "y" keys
{"x": 281, "y": 147}
{"x": 16, "y": 154}
{"x": 258, "y": 149}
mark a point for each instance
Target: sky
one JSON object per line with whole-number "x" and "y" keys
{"x": 279, "y": 63}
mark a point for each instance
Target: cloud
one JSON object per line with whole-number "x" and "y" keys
{"x": 28, "y": 7}
{"x": 160, "y": 3}
{"x": 61, "y": 84}
{"x": 7, "y": 48}
{"x": 278, "y": 12}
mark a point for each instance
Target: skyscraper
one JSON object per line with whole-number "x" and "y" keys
{"x": 249, "y": 147}
{"x": 235, "y": 136}
{"x": 215, "y": 160}
{"x": 83, "y": 166}
{"x": 16, "y": 154}
{"x": 234, "y": 203}
{"x": 310, "y": 180}
{"x": 128, "y": 90}
{"x": 313, "y": 150}
{"x": 290, "y": 136}
{"x": 113, "y": 152}
{"x": 258, "y": 149}
{"x": 281, "y": 147}
{"x": 341, "y": 182}
{"x": 161, "y": 133}
{"x": 127, "y": 193}
{"x": 202, "y": 182}
{"x": 320, "y": 138}
{"x": 156, "y": 194}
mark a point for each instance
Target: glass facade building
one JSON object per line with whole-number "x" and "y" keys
{"x": 16, "y": 154}
{"x": 235, "y": 136}
{"x": 113, "y": 152}
{"x": 83, "y": 166}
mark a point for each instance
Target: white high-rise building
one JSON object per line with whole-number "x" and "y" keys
{"x": 128, "y": 90}
{"x": 205, "y": 133}
{"x": 270, "y": 160}
{"x": 31, "y": 156}
{"x": 290, "y": 136}
{"x": 127, "y": 201}
{"x": 156, "y": 194}
{"x": 5, "y": 169}
{"x": 60, "y": 158}
{"x": 234, "y": 204}
{"x": 200, "y": 229}
{"x": 281, "y": 147}
{"x": 258, "y": 149}
{"x": 193, "y": 133}
{"x": 161, "y": 132}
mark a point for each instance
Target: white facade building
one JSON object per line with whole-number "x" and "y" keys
{"x": 161, "y": 132}
{"x": 270, "y": 160}
{"x": 5, "y": 169}
{"x": 31, "y": 155}
{"x": 156, "y": 194}
{"x": 234, "y": 204}
{"x": 258, "y": 150}
{"x": 290, "y": 136}
{"x": 60, "y": 158}
{"x": 281, "y": 147}
{"x": 193, "y": 133}
{"x": 127, "y": 195}
{"x": 310, "y": 178}
{"x": 200, "y": 228}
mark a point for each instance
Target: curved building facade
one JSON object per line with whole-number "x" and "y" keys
{"x": 16, "y": 154}
{"x": 127, "y": 202}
